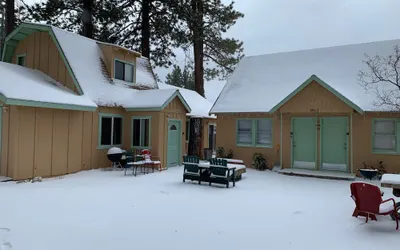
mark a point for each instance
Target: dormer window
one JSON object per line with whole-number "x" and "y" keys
{"x": 21, "y": 60}
{"x": 123, "y": 71}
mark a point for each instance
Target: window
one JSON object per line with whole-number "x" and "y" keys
{"x": 141, "y": 132}
{"x": 254, "y": 132}
{"x": 384, "y": 135}
{"x": 110, "y": 130}
{"x": 123, "y": 71}
{"x": 187, "y": 130}
{"x": 21, "y": 60}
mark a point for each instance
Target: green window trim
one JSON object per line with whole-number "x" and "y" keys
{"x": 140, "y": 139}
{"x": 18, "y": 58}
{"x": 133, "y": 69}
{"x": 254, "y": 133}
{"x": 397, "y": 137}
{"x": 109, "y": 115}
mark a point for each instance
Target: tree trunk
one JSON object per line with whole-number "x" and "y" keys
{"x": 87, "y": 18}
{"x": 197, "y": 7}
{"x": 195, "y": 136}
{"x": 196, "y": 127}
{"x": 10, "y": 16}
{"x": 146, "y": 28}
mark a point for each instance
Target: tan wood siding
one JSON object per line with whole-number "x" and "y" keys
{"x": 111, "y": 53}
{"x": 42, "y": 54}
{"x": 313, "y": 98}
{"x": 5, "y": 171}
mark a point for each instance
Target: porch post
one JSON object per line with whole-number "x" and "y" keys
{"x": 280, "y": 146}
{"x": 351, "y": 143}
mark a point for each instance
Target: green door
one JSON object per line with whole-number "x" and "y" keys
{"x": 334, "y": 143}
{"x": 304, "y": 142}
{"x": 174, "y": 128}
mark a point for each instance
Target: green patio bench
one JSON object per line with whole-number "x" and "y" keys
{"x": 220, "y": 173}
{"x": 191, "y": 170}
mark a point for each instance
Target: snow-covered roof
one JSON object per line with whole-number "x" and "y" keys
{"x": 84, "y": 56}
{"x": 23, "y": 84}
{"x": 144, "y": 73}
{"x": 200, "y": 106}
{"x": 259, "y": 83}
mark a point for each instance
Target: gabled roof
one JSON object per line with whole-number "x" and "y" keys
{"x": 156, "y": 99}
{"x": 323, "y": 84}
{"x": 85, "y": 62}
{"x": 28, "y": 87}
{"x": 200, "y": 106}
{"x": 261, "y": 83}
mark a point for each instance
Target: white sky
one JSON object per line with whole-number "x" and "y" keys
{"x": 285, "y": 25}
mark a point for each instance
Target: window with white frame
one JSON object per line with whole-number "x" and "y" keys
{"x": 141, "y": 132}
{"x": 254, "y": 132}
{"x": 110, "y": 130}
{"x": 384, "y": 132}
{"x": 123, "y": 71}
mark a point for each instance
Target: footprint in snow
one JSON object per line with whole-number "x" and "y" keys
{"x": 164, "y": 192}
{"x": 298, "y": 212}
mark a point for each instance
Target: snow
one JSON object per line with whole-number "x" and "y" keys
{"x": 391, "y": 179}
{"x": 152, "y": 98}
{"x": 200, "y": 106}
{"x": 114, "y": 150}
{"x": 22, "y": 83}
{"x": 144, "y": 73}
{"x": 85, "y": 58}
{"x": 261, "y": 82}
{"x": 105, "y": 210}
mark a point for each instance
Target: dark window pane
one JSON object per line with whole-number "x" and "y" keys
{"x": 21, "y": 60}
{"x": 105, "y": 131}
{"x": 146, "y": 133}
{"x": 173, "y": 127}
{"x": 136, "y": 132}
{"x": 119, "y": 70}
{"x": 117, "y": 133}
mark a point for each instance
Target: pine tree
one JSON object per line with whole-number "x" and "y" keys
{"x": 181, "y": 78}
{"x": 141, "y": 25}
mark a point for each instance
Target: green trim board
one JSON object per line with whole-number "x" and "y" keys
{"x": 187, "y": 135}
{"x": 179, "y": 140}
{"x": 397, "y": 137}
{"x": 25, "y": 29}
{"x": 308, "y": 149}
{"x": 110, "y": 115}
{"x": 336, "y": 139}
{"x": 351, "y": 144}
{"x": 133, "y": 68}
{"x": 175, "y": 94}
{"x": 322, "y": 83}
{"x": 254, "y": 133}
{"x": 37, "y": 104}
{"x": 140, "y": 139}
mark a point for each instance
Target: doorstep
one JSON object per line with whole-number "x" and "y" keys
{"x": 318, "y": 174}
{"x": 4, "y": 179}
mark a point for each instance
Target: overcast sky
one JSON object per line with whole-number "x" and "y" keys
{"x": 285, "y": 25}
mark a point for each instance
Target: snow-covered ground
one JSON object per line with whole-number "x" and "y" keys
{"x": 98, "y": 210}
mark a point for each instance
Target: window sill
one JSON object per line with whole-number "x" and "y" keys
{"x": 141, "y": 147}
{"x": 123, "y": 81}
{"x": 108, "y": 146}
{"x": 377, "y": 152}
{"x": 253, "y": 146}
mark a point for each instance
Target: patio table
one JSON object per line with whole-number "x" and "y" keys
{"x": 392, "y": 181}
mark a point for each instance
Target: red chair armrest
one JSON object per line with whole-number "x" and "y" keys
{"x": 390, "y": 199}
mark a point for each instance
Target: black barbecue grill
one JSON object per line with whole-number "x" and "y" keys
{"x": 114, "y": 154}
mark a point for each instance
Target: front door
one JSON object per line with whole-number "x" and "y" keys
{"x": 304, "y": 142}
{"x": 174, "y": 141}
{"x": 334, "y": 143}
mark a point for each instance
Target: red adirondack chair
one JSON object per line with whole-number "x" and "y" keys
{"x": 369, "y": 202}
